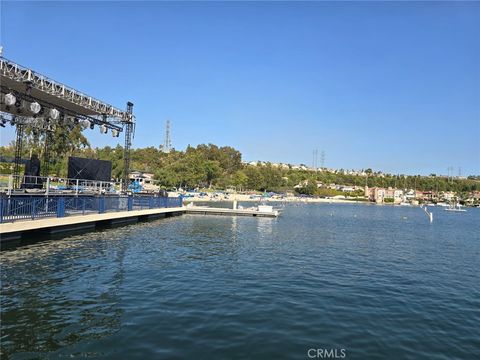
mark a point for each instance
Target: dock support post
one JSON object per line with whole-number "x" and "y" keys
{"x": 61, "y": 207}
{"x": 33, "y": 208}
{"x": 130, "y": 203}
{"x": 101, "y": 205}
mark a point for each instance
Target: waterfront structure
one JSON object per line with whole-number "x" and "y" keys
{"x": 28, "y": 217}
{"x": 30, "y": 100}
{"x": 382, "y": 195}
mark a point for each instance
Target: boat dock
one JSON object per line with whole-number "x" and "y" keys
{"x": 226, "y": 211}
{"x": 16, "y": 232}
{"x": 50, "y": 227}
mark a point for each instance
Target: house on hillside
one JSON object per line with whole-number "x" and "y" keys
{"x": 382, "y": 195}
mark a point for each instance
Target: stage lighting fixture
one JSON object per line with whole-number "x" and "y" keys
{"x": 92, "y": 125}
{"x": 115, "y": 133}
{"x": 103, "y": 129}
{"x": 84, "y": 123}
{"x": 54, "y": 114}
{"x": 34, "y": 107}
{"x": 10, "y": 99}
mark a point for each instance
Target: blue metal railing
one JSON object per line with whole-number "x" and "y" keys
{"x": 33, "y": 207}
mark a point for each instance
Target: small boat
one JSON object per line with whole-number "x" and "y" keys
{"x": 456, "y": 207}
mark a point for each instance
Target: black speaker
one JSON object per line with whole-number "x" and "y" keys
{"x": 32, "y": 171}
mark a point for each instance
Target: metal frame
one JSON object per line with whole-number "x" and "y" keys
{"x": 96, "y": 111}
{"x": 129, "y": 132}
{"x": 19, "y": 73}
{"x": 97, "y": 120}
{"x": 18, "y": 151}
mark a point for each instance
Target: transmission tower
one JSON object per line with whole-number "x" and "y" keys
{"x": 450, "y": 173}
{"x": 315, "y": 159}
{"x": 167, "y": 143}
{"x": 322, "y": 159}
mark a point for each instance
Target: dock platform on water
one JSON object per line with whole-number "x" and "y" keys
{"x": 50, "y": 227}
{"x": 47, "y": 228}
{"x": 226, "y": 211}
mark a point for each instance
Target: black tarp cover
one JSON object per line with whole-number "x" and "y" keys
{"x": 89, "y": 169}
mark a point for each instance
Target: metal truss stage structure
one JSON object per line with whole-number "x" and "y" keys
{"x": 31, "y": 100}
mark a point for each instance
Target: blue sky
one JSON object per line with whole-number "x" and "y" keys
{"x": 394, "y": 86}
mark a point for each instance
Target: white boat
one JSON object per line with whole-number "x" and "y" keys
{"x": 442, "y": 204}
{"x": 456, "y": 207}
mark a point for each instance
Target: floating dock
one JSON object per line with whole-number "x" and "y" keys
{"x": 225, "y": 211}
{"x": 46, "y": 228}
{"x": 14, "y": 233}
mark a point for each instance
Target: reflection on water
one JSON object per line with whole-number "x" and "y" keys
{"x": 265, "y": 226}
{"x": 373, "y": 280}
{"x": 60, "y": 294}
{"x": 234, "y": 226}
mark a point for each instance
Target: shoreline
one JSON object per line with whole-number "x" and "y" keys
{"x": 246, "y": 198}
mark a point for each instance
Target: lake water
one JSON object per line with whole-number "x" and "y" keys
{"x": 370, "y": 282}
